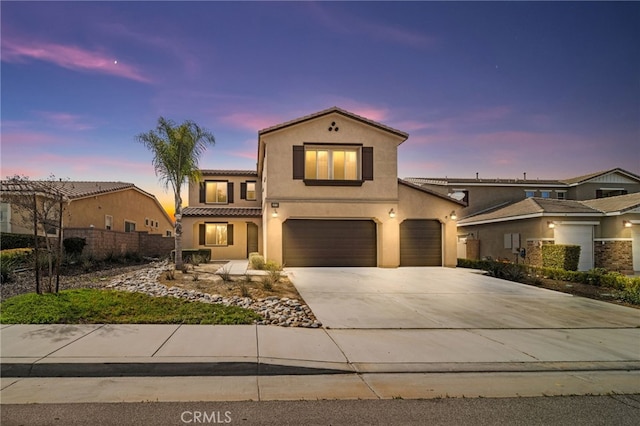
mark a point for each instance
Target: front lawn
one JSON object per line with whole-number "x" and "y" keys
{"x": 92, "y": 306}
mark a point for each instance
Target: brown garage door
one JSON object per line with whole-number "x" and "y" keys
{"x": 420, "y": 243}
{"x": 309, "y": 242}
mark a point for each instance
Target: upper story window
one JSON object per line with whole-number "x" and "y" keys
{"x": 610, "y": 192}
{"x": 108, "y": 222}
{"x": 561, "y": 195}
{"x": 335, "y": 164}
{"x": 545, "y": 194}
{"x": 248, "y": 190}
{"x": 530, "y": 193}
{"x": 129, "y": 226}
{"x": 216, "y": 192}
{"x": 319, "y": 164}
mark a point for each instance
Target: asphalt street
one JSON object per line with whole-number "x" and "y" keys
{"x": 572, "y": 410}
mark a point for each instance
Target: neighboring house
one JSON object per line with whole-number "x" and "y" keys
{"x": 114, "y": 206}
{"x": 606, "y": 229}
{"x": 325, "y": 193}
{"x": 482, "y": 195}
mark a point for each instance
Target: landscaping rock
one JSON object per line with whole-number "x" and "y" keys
{"x": 283, "y": 312}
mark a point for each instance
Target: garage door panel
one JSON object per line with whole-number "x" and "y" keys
{"x": 308, "y": 242}
{"x": 420, "y": 243}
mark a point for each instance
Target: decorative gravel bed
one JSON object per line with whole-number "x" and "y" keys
{"x": 284, "y": 312}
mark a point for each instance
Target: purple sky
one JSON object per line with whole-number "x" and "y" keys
{"x": 551, "y": 89}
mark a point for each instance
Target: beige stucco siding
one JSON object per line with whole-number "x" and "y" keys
{"x": 238, "y": 250}
{"x": 278, "y": 167}
{"x": 387, "y": 228}
{"x": 415, "y": 204}
{"x": 127, "y": 205}
{"x": 194, "y": 191}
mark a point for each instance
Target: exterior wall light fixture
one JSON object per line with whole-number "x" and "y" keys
{"x": 551, "y": 224}
{"x": 392, "y": 213}
{"x": 453, "y": 215}
{"x": 275, "y": 213}
{"x": 627, "y": 223}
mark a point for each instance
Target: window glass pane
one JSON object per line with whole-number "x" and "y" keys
{"x": 351, "y": 165}
{"x": 216, "y": 192}
{"x": 323, "y": 165}
{"x": 221, "y": 191}
{"x": 216, "y": 234}
{"x": 310, "y": 170}
{"x": 338, "y": 165}
{"x": 251, "y": 190}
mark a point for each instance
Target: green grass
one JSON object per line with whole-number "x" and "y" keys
{"x": 91, "y": 306}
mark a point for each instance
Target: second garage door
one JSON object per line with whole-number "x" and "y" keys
{"x": 420, "y": 243}
{"x": 309, "y": 242}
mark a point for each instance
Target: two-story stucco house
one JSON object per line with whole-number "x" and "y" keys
{"x": 325, "y": 193}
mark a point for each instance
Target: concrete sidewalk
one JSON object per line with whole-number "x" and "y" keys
{"x": 156, "y": 350}
{"x": 114, "y": 363}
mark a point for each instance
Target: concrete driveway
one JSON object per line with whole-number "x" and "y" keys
{"x": 446, "y": 298}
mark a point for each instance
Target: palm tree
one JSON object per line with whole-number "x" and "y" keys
{"x": 176, "y": 150}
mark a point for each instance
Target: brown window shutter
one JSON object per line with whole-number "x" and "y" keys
{"x": 203, "y": 230}
{"x": 243, "y": 190}
{"x": 203, "y": 192}
{"x": 229, "y": 235}
{"x": 298, "y": 162}
{"x": 230, "y": 192}
{"x": 367, "y": 163}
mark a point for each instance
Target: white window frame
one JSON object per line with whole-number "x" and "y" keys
{"x": 130, "y": 222}
{"x": 108, "y": 222}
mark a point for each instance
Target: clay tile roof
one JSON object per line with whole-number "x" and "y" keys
{"x": 215, "y": 172}
{"x": 222, "y": 211}
{"x": 70, "y": 189}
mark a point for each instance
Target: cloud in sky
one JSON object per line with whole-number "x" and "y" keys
{"x": 16, "y": 50}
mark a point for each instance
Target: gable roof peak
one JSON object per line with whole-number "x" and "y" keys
{"x": 332, "y": 110}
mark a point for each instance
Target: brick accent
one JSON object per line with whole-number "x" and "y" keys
{"x": 613, "y": 255}
{"x": 101, "y": 242}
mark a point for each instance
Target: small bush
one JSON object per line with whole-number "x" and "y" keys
{"x": 10, "y": 260}
{"x": 170, "y": 274}
{"x": 73, "y": 246}
{"x": 225, "y": 273}
{"x": 561, "y": 256}
{"x": 268, "y": 282}
{"x": 256, "y": 261}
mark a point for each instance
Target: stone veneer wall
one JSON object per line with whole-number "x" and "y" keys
{"x": 102, "y": 243}
{"x": 613, "y": 255}
{"x": 534, "y": 252}
{"x": 473, "y": 249}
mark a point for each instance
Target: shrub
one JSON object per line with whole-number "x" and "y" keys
{"x": 204, "y": 255}
{"x": 256, "y": 261}
{"x": 12, "y": 241}
{"x": 73, "y": 246}
{"x": 225, "y": 273}
{"x": 267, "y": 282}
{"x": 10, "y": 260}
{"x": 561, "y": 256}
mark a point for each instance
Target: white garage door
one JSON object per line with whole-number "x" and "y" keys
{"x": 577, "y": 235}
